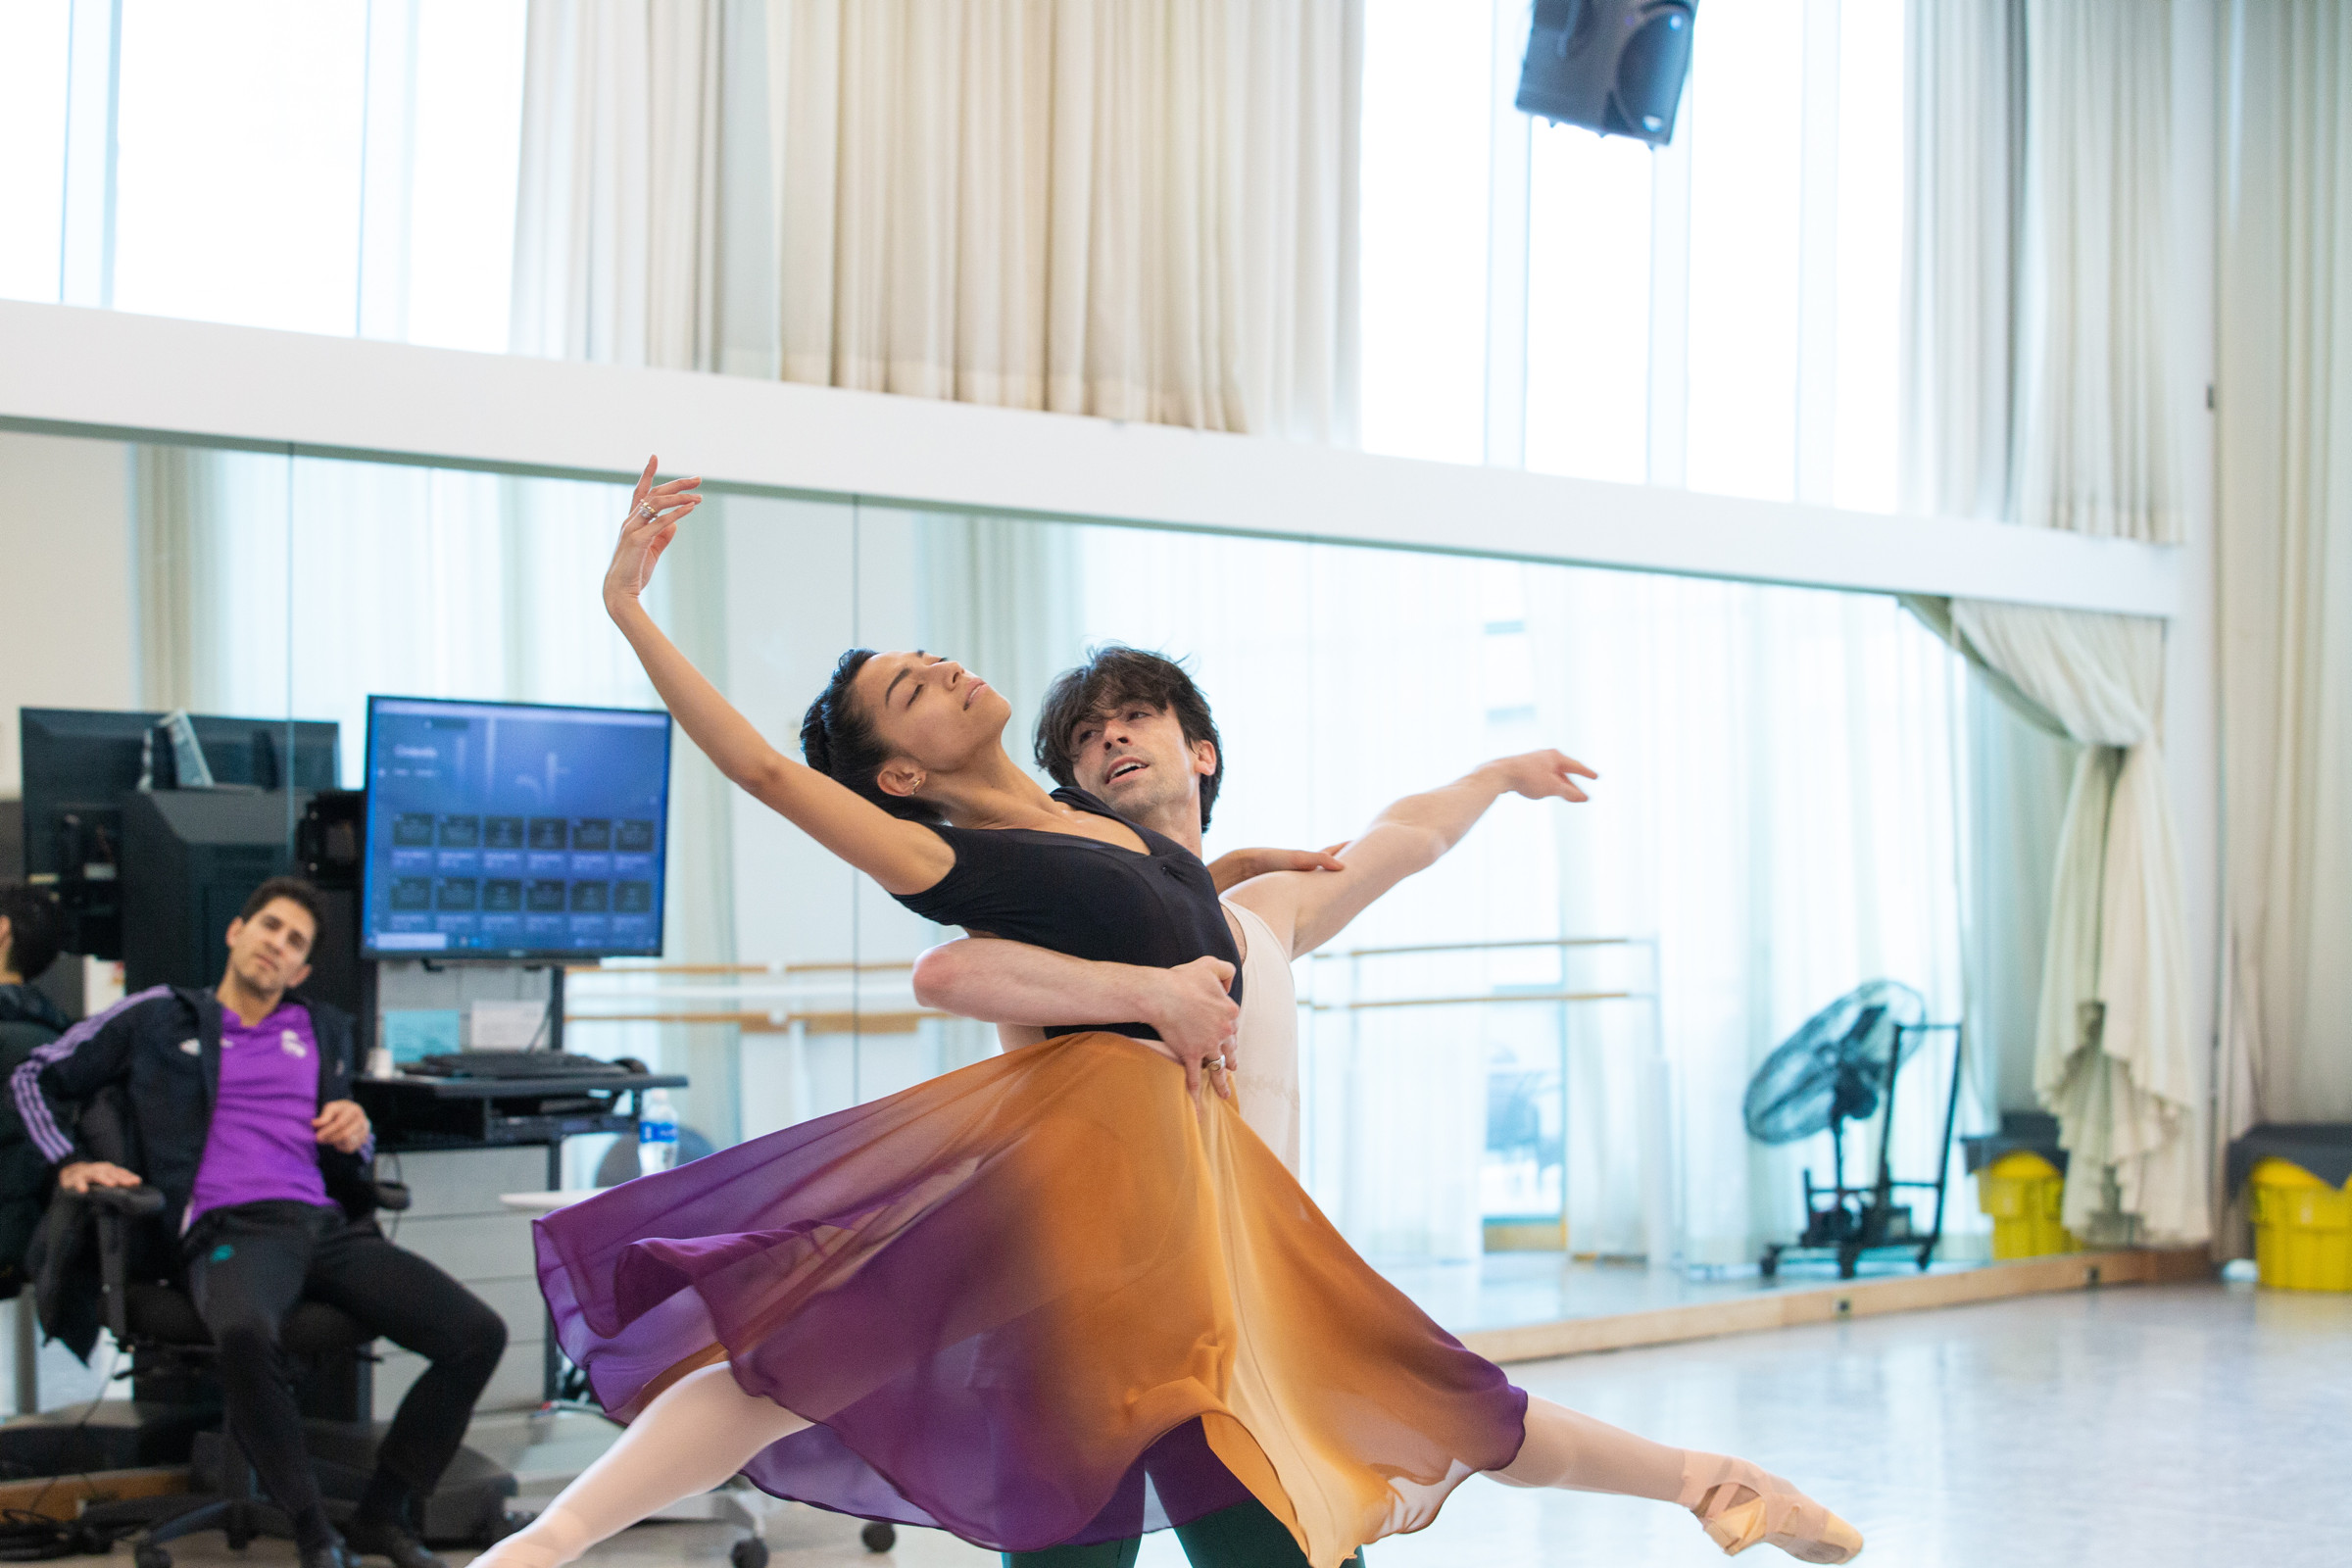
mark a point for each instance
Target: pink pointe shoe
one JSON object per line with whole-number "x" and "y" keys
{"x": 1742, "y": 1506}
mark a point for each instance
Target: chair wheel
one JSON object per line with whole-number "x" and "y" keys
{"x": 878, "y": 1536}
{"x": 151, "y": 1557}
{"x": 749, "y": 1552}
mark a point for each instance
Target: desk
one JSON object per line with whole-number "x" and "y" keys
{"x": 419, "y": 1112}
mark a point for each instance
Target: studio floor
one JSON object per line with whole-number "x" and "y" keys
{"x": 1512, "y": 1290}
{"x": 2144, "y": 1427}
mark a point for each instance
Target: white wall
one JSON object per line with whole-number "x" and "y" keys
{"x": 106, "y": 370}
{"x": 64, "y": 539}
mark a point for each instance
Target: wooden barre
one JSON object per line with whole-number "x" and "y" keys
{"x": 1480, "y": 1001}
{"x": 1487, "y": 947}
{"x": 738, "y": 969}
{"x": 833, "y": 1022}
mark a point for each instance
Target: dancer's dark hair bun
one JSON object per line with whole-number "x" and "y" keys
{"x": 837, "y": 741}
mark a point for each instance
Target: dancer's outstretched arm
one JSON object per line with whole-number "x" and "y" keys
{"x": 1308, "y": 908}
{"x": 903, "y": 857}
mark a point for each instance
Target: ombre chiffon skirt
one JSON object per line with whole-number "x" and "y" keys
{"x": 1050, "y": 1297}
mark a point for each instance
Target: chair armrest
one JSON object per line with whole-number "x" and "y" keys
{"x": 391, "y": 1197}
{"x": 132, "y": 1202}
{"x": 113, "y": 1209}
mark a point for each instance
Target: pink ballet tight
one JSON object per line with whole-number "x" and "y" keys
{"x": 1588, "y": 1456}
{"x": 1577, "y": 1453}
{"x": 706, "y": 1428}
{"x": 699, "y": 1432}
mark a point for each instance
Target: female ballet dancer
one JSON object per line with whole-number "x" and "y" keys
{"x": 1050, "y": 1297}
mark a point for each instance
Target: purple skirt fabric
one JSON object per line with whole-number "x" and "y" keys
{"x": 1047, "y": 1299}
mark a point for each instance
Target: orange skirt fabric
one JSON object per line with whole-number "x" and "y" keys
{"x": 1047, "y": 1298}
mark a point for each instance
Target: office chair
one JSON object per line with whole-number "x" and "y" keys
{"x": 157, "y": 1324}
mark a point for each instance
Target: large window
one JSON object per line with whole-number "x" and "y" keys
{"x": 1720, "y": 313}
{"x": 319, "y": 166}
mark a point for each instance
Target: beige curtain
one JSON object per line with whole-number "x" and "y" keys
{"x": 2285, "y": 400}
{"x": 176, "y": 558}
{"x": 616, "y": 260}
{"x": 2093, "y": 447}
{"x": 1143, "y": 211}
{"x": 617, "y": 215}
{"x": 2048, "y": 121}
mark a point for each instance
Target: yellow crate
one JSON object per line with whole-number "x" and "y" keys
{"x": 2023, "y": 1193}
{"x": 2302, "y": 1229}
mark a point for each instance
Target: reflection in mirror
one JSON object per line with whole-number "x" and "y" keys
{"x": 1537, "y": 1043}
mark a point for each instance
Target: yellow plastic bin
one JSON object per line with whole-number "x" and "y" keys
{"x": 2302, "y": 1229}
{"x": 2023, "y": 1193}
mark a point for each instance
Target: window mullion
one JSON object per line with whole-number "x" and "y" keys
{"x": 85, "y": 265}
{"x": 1510, "y": 144}
{"x": 387, "y": 170}
{"x": 1817, "y": 260}
{"x": 1670, "y": 302}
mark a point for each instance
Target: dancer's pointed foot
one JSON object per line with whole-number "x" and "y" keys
{"x": 1742, "y": 1505}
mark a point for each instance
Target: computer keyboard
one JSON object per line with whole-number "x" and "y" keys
{"x": 515, "y": 1064}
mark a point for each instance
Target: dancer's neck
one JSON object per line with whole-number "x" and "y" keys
{"x": 993, "y": 793}
{"x": 1178, "y": 819}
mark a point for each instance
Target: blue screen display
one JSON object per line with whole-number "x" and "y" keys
{"x": 502, "y": 828}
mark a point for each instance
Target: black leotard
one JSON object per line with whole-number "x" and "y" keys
{"x": 1083, "y": 897}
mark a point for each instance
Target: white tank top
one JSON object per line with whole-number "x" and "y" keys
{"x": 1268, "y": 1082}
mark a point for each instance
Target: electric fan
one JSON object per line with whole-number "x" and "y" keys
{"x": 1840, "y": 1067}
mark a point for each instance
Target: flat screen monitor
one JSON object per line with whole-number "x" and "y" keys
{"x": 514, "y": 830}
{"x": 80, "y": 766}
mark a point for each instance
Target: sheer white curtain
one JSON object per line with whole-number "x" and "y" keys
{"x": 2285, "y": 413}
{"x": 1141, "y": 211}
{"x": 1785, "y": 777}
{"x": 617, "y": 220}
{"x": 2037, "y": 389}
{"x": 1780, "y": 806}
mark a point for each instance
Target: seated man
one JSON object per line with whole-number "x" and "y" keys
{"x": 240, "y": 1101}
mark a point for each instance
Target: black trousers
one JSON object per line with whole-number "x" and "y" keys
{"x": 248, "y": 1265}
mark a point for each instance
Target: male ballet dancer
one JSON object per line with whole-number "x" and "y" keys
{"x": 1132, "y": 729}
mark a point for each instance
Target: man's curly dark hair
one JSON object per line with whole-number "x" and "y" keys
{"x": 1112, "y": 676}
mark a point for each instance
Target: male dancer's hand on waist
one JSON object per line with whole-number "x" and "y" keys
{"x": 1197, "y": 1019}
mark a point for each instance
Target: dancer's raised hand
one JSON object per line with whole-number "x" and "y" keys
{"x": 654, "y": 511}
{"x": 1542, "y": 776}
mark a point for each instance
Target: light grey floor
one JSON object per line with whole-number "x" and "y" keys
{"x": 1507, "y": 1289}
{"x": 2142, "y": 1427}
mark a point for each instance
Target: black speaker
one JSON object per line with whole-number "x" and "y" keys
{"x": 1611, "y": 66}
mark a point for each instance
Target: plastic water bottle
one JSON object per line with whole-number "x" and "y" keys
{"x": 656, "y": 1134}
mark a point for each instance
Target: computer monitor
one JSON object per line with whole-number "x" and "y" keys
{"x": 81, "y": 765}
{"x": 514, "y": 830}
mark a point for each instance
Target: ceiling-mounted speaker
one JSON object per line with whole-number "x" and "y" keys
{"x": 1612, "y": 66}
